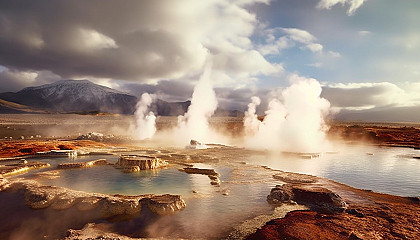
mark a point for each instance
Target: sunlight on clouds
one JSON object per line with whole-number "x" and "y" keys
{"x": 360, "y": 96}
{"x": 14, "y": 80}
{"x": 95, "y": 40}
{"x": 299, "y": 35}
{"x": 364, "y": 33}
{"x": 353, "y": 4}
{"x": 315, "y": 47}
{"x": 274, "y": 45}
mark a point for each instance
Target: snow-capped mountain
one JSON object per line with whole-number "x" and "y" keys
{"x": 74, "y": 96}
{"x": 81, "y": 96}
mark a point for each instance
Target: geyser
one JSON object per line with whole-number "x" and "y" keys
{"x": 294, "y": 120}
{"x": 145, "y": 119}
{"x": 194, "y": 124}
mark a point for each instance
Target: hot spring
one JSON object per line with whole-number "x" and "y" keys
{"x": 211, "y": 211}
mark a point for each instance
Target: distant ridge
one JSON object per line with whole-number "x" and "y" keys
{"x": 10, "y": 107}
{"x": 84, "y": 96}
{"x": 74, "y": 96}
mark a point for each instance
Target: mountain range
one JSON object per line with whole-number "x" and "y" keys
{"x": 83, "y": 96}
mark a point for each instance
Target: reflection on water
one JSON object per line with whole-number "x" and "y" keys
{"x": 212, "y": 212}
{"x": 381, "y": 169}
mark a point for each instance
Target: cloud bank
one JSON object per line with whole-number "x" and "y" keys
{"x": 141, "y": 41}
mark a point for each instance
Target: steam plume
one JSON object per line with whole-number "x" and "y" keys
{"x": 145, "y": 121}
{"x": 294, "y": 124}
{"x": 251, "y": 121}
{"x": 195, "y": 123}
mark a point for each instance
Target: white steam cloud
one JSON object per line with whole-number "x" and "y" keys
{"x": 195, "y": 123}
{"x": 251, "y": 121}
{"x": 294, "y": 121}
{"x": 145, "y": 121}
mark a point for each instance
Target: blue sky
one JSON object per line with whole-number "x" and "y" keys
{"x": 364, "y": 48}
{"x": 368, "y": 41}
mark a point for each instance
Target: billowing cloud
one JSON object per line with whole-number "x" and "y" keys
{"x": 370, "y": 95}
{"x": 278, "y": 39}
{"x": 353, "y": 4}
{"x": 135, "y": 40}
{"x": 12, "y": 80}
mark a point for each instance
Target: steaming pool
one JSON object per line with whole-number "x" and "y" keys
{"x": 212, "y": 212}
{"x": 381, "y": 169}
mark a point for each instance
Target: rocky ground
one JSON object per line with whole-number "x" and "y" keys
{"x": 71, "y": 207}
{"x": 338, "y": 211}
{"x": 317, "y": 208}
{"x": 393, "y": 135}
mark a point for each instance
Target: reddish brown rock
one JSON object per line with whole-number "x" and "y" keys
{"x": 313, "y": 196}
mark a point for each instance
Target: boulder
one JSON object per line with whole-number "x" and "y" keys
{"x": 280, "y": 194}
{"x": 314, "y": 196}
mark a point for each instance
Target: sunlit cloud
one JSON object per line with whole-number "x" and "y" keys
{"x": 352, "y": 4}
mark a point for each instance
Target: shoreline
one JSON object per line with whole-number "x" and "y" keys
{"x": 370, "y": 215}
{"x": 364, "y": 206}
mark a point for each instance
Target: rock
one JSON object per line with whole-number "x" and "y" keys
{"x": 355, "y": 212}
{"x": 131, "y": 169}
{"x": 83, "y": 164}
{"x": 316, "y": 197}
{"x": 38, "y": 196}
{"x": 127, "y": 162}
{"x": 305, "y": 225}
{"x": 113, "y": 206}
{"x": 58, "y": 153}
{"x": 194, "y": 144}
{"x": 92, "y": 231}
{"x": 414, "y": 199}
{"x": 88, "y": 203}
{"x": 94, "y": 136}
{"x": 211, "y": 173}
{"x": 279, "y": 194}
{"x": 64, "y": 201}
{"x": 353, "y": 236}
{"x": 19, "y": 168}
{"x": 165, "y": 204}
{"x": 192, "y": 170}
{"x": 295, "y": 178}
{"x": 214, "y": 180}
{"x": 319, "y": 197}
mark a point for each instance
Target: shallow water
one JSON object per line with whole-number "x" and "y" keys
{"x": 381, "y": 169}
{"x": 212, "y": 212}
